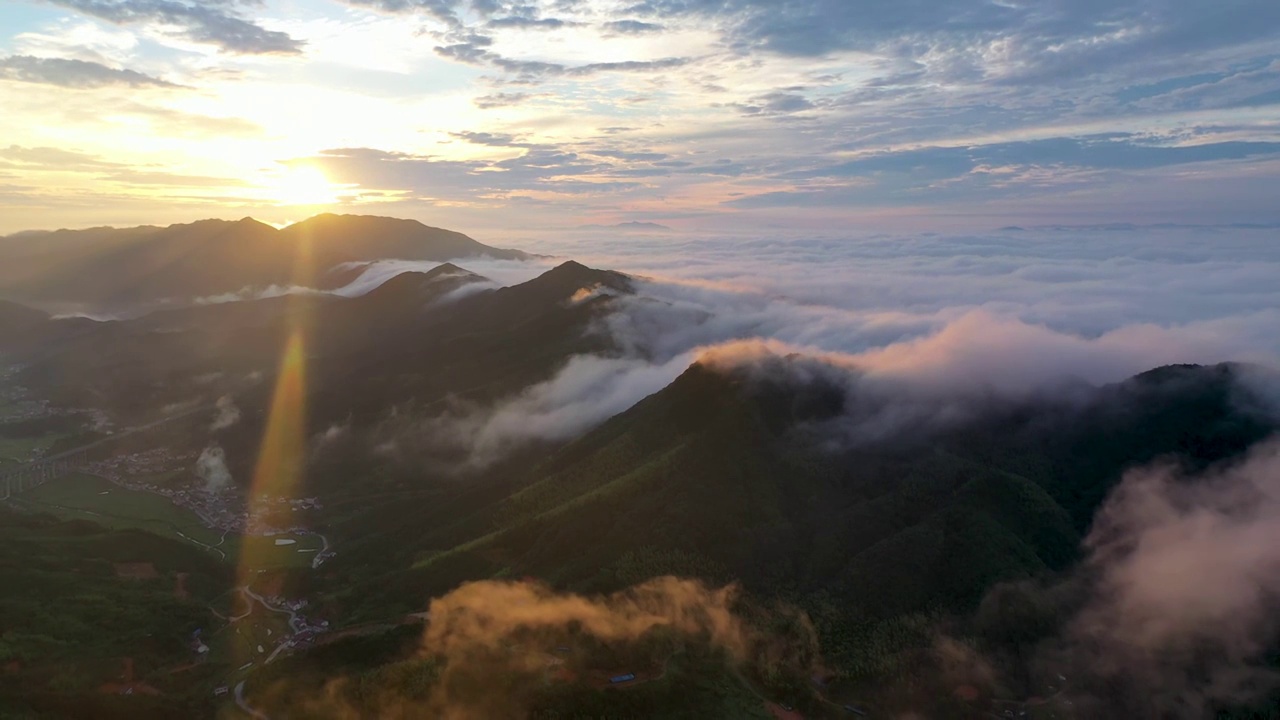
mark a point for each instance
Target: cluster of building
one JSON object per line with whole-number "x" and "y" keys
{"x": 221, "y": 509}
{"x": 16, "y": 400}
{"x": 321, "y": 557}
{"x": 217, "y": 509}
{"x": 150, "y": 462}
{"x": 304, "y": 631}
{"x": 19, "y": 405}
{"x": 265, "y": 505}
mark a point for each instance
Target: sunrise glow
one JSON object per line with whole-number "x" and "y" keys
{"x": 304, "y": 186}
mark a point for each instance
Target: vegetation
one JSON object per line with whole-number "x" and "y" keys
{"x": 883, "y": 547}
{"x": 82, "y": 604}
{"x": 102, "y": 501}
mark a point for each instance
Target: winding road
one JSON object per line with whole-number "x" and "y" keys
{"x": 244, "y": 704}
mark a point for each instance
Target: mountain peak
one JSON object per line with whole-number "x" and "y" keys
{"x": 572, "y": 272}
{"x": 410, "y": 289}
{"x": 632, "y": 226}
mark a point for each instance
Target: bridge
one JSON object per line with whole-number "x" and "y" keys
{"x": 21, "y": 478}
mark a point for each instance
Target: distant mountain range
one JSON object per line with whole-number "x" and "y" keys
{"x": 1130, "y": 227}
{"x": 129, "y": 267}
{"x": 630, "y": 227}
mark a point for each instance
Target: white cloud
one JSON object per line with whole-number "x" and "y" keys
{"x": 228, "y": 414}
{"x": 915, "y": 328}
{"x": 211, "y": 467}
{"x": 1184, "y": 573}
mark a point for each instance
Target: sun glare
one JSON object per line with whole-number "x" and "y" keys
{"x": 305, "y": 186}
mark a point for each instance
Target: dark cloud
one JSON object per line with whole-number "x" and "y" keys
{"x": 527, "y": 23}
{"x": 628, "y": 155}
{"x": 631, "y": 27}
{"x": 499, "y": 14}
{"x": 214, "y": 22}
{"x": 490, "y": 139}
{"x": 1047, "y": 38}
{"x": 627, "y": 66}
{"x": 502, "y": 99}
{"x": 776, "y": 103}
{"x": 474, "y": 51}
{"x": 73, "y": 73}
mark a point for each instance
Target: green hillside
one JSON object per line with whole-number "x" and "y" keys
{"x": 712, "y": 478}
{"x": 80, "y": 602}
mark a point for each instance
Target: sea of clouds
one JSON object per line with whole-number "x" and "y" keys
{"x": 951, "y": 316}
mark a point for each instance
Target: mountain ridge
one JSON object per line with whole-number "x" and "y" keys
{"x": 131, "y": 267}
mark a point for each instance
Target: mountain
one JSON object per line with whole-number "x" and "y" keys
{"x": 632, "y": 226}
{"x": 15, "y": 318}
{"x": 24, "y": 327}
{"x": 869, "y": 551}
{"x": 417, "y": 338}
{"x": 417, "y": 290}
{"x": 719, "y": 477}
{"x": 140, "y": 266}
{"x": 708, "y": 477}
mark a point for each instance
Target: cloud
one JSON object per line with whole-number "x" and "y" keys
{"x": 1034, "y": 41}
{"x": 981, "y": 350}
{"x": 776, "y": 103}
{"x": 490, "y": 274}
{"x": 539, "y": 169}
{"x": 53, "y": 159}
{"x": 527, "y": 23}
{"x": 1184, "y": 561}
{"x": 962, "y": 111}
{"x": 631, "y": 27}
{"x": 1170, "y": 614}
{"x": 228, "y": 414}
{"x": 211, "y": 467}
{"x": 585, "y": 392}
{"x": 1172, "y": 611}
{"x": 212, "y": 22}
{"x": 79, "y": 74}
{"x": 444, "y": 11}
{"x": 332, "y": 434}
{"x": 486, "y": 614}
{"x": 917, "y": 333}
{"x": 502, "y": 99}
{"x": 254, "y": 293}
{"x": 475, "y": 51}
{"x": 501, "y": 629}
{"x": 983, "y": 172}
{"x": 493, "y": 273}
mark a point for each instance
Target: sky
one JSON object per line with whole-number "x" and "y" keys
{"x": 492, "y": 116}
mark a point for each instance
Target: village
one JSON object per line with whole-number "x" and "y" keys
{"x": 220, "y": 508}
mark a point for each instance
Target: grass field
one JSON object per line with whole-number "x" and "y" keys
{"x": 87, "y": 497}
{"x": 262, "y": 552}
{"x": 99, "y": 500}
